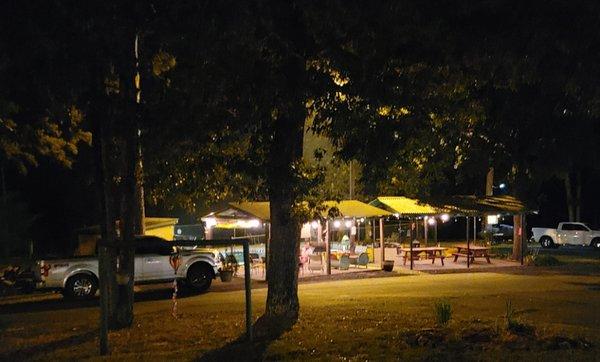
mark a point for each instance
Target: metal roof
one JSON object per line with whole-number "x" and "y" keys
{"x": 260, "y": 210}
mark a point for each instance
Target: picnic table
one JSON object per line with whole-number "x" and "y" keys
{"x": 431, "y": 252}
{"x": 472, "y": 251}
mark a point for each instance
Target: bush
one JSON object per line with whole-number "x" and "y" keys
{"x": 513, "y": 325}
{"x": 443, "y": 312}
{"x": 545, "y": 260}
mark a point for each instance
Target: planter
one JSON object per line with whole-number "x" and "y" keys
{"x": 226, "y": 275}
{"x": 388, "y": 265}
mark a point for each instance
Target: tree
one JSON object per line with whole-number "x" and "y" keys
{"x": 40, "y": 117}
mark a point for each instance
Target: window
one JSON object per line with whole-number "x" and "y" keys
{"x": 579, "y": 227}
{"x": 574, "y": 227}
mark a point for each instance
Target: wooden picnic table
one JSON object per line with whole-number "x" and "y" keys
{"x": 472, "y": 251}
{"x": 431, "y": 252}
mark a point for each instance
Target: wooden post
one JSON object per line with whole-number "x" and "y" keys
{"x": 248, "y": 290}
{"x": 328, "y": 248}
{"x": 381, "y": 242}
{"x": 411, "y": 247}
{"x": 468, "y": 246}
{"x": 517, "y": 237}
{"x": 425, "y": 231}
{"x": 523, "y": 237}
{"x": 267, "y": 245}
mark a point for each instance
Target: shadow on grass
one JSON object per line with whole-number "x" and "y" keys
{"x": 265, "y": 332}
{"x": 45, "y": 305}
{"x": 30, "y": 352}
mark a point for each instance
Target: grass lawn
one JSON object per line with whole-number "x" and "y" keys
{"x": 374, "y": 319}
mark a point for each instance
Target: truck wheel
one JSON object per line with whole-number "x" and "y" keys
{"x": 546, "y": 242}
{"x": 595, "y": 243}
{"x": 199, "y": 277}
{"x": 81, "y": 287}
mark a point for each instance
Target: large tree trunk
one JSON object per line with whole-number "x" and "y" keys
{"x": 570, "y": 199}
{"x": 578, "y": 197}
{"x": 573, "y": 192}
{"x": 132, "y": 213}
{"x": 282, "y": 274}
{"x": 3, "y": 225}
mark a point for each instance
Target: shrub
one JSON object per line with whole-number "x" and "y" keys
{"x": 513, "y": 325}
{"x": 545, "y": 260}
{"x": 443, "y": 312}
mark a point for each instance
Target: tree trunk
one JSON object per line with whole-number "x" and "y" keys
{"x": 132, "y": 213}
{"x": 518, "y": 235}
{"x": 570, "y": 199}
{"x": 578, "y": 183}
{"x": 3, "y": 224}
{"x": 286, "y": 150}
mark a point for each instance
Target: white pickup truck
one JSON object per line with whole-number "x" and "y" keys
{"x": 572, "y": 233}
{"x": 77, "y": 278}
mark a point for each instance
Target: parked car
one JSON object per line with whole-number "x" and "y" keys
{"x": 77, "y": 277}
{"x": 572, "y": 233}
{"x": 500, "y": 232}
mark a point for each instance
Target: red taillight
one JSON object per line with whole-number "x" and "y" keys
{"x": 44, "y": 270}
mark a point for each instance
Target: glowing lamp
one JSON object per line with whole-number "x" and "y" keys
{"x": 492, "y": 219}
{"x": 314, "y": 224}
{"x": 337, "y": 224}
{"x": 210, "y": 222}
{"x": 445, "y": 217}
{"x": 348, "y": 223}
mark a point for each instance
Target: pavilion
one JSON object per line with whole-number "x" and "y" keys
{"x": 490, "y": 207}
{"x": 329, "y": 216}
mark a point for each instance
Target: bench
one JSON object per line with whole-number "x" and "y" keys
{"x": 472, "y": 256}
{"x": 433, "y": 257}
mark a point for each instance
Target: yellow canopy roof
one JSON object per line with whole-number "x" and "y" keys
{"x": 257, "y": 209}
{"x": 457, "y": 205}
{"x": 405, "y": 206}
{"x": 355, "y": 208}
{"x": 346, "y": 208}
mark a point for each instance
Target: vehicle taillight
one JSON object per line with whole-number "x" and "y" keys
{"x": 44, "y": 271}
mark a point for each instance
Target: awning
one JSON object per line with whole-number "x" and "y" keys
{"x": 260, "y": 210}
{"x": 467, "y": 205}
{"x": 474, "y": 205}
{"x": 405, "y": 206}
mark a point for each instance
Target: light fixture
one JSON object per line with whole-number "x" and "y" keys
{"x": 348, "y": 223}
{"x": 210, "y": 222}
{"x": 502, "y": 185}
{"x": 397, "y": 215}
{"x": 445, "y": 217}
{"x": 492, "y": 219}
{"x": 254, "y": 223}
{"x": 431, "y": 221}
{"x": 336, "y": 224}
{"x": 314, "y": 224}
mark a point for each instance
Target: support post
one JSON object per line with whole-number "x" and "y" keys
{"x": 267, "y": 247}
{"x": 411, "y": 246}
{"x": 425, "y": 229}
{"x": 517, "y": 237}
{"x": 523, "y": 237}
{"x": 328, "y": 248}
{"x": 474, "y": 228}
{"x": 381, "y": 242}
{"x": 468, "y": 246}
{"x": 248, "y": 290}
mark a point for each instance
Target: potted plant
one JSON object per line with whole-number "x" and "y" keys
{"x": 229, "y": 268}
{"x": 388, "y": 265}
